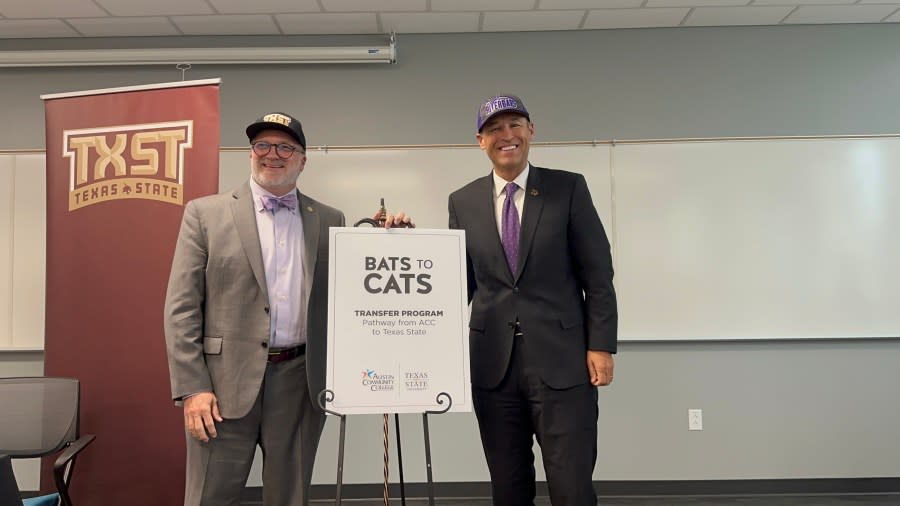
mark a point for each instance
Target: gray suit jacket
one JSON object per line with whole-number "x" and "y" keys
{"x": 217, "y": 305}
{"x": 562, "y": 291}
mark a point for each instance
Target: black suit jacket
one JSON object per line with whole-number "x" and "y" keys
{"x": 562, "y": 294}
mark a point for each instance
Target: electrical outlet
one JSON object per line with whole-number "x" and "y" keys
{"x": 695, "y": 419}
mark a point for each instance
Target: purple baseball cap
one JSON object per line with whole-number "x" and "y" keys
{"x": 499, "y": 105}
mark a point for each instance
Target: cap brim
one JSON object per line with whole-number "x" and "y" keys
{"x": 497, "y": 113}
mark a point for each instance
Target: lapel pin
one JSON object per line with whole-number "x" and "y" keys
{"x": 534, "y": 192}
{"x": 310, "y": 209}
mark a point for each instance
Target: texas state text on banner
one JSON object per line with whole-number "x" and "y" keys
{"x": 121, "y": 164}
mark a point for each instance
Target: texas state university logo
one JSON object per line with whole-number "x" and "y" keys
{"x": 143, "y": 161}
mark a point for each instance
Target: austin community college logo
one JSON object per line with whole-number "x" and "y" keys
{"x": 377, "y": 382}
{"x": 144, "y": 161}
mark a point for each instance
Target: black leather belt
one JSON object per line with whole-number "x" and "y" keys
{"x": 285, "y": 354}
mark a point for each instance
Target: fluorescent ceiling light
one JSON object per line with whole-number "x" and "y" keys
{"x": 196, "y": 56}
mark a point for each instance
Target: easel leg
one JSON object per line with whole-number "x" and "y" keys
{"x": 400, "y": 459}
{"x": 340, "y": 466}
{"x": 428, "y": 460}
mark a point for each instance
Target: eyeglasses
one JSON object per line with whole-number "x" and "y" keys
{"x": 284, "y": 151}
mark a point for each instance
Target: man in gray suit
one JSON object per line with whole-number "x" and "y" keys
{"x": 245, "y": 323}
{"x": 544, "y": 320}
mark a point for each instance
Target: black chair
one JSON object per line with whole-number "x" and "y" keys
{"x": 39, "y": 418}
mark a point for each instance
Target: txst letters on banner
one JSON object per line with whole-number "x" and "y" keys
{"x": 397, "y": 314}
{"x": 143, "y": 161}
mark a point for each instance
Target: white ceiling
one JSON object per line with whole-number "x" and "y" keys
{"x": 114, "y": 18}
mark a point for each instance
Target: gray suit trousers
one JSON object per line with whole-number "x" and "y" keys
{"x": 283, "y": 422}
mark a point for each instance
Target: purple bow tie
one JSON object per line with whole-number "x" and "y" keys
{"x": 288, "y": 201}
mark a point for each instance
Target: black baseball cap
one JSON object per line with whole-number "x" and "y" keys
{"x": 278, "y": 121}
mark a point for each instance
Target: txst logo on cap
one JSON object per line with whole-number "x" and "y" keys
{"x": 278, "y": 121}
{"x": 277, "y": 118}
{"x": 500, "y": 104}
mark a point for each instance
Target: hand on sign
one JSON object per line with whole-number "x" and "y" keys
{"x": 399, "y": 220}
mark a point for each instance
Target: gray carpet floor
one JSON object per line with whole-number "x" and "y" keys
{"x": 758, "y": 500}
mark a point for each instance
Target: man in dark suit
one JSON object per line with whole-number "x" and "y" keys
{"x": 245, "y": 323}
{"x": 544, "y": 320}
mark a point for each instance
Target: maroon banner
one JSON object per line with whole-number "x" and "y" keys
{"x": 121, "y": 164}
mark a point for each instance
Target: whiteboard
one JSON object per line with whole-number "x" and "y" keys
{"x": 739, "y": 239}
{"x": 7, "y": 203}
{"x": 758, "y": 239}
{"x": 23, "y": 243}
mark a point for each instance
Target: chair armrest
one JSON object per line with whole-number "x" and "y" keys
{"x": 72, "y": 450}
{"x": 65, "y": 462}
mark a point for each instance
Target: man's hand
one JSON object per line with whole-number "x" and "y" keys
{"x": 199, "y": 412}
{"x": 600, "y": 367}
{"x": 399, "y": 220}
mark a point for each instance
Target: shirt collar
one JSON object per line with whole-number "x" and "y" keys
{"x": 500, "y": 183}
{"x": 258, "y": 191}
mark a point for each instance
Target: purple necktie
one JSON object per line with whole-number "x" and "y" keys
{"x": 510, "y": 227}
{"x": 287, "y": 201}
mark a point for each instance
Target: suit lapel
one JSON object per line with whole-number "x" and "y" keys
{"x": 311, "y": 227}
{"x": 531, "y": 215}
{"x": 484, "y": 204}
{"x": 244, "y": 212}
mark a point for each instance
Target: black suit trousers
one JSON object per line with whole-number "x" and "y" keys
{"x": 564, "y": 422}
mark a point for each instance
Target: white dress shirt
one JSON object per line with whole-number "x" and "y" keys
{"x": 500, "y": 196}
{"x": 281, "y": 240}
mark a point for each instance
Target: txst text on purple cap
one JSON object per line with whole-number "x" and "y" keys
{"x": 500, "y": 104}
